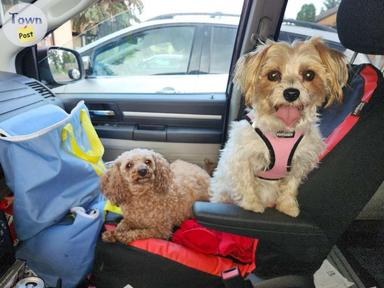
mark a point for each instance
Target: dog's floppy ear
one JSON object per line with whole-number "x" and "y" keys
{"x": 162, "y": 173}
{"x": 112, "y": 185}
{"x": 247, "y": 71}
{"x": 336, "y": 67}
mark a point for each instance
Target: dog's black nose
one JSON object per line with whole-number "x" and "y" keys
{"x": 291, "y": 94}
{"x": 142, "y": 172}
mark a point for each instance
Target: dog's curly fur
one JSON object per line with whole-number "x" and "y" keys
{"x": 153, "y": 195}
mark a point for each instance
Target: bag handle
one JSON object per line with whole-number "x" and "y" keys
{"x": 96, "y": 152}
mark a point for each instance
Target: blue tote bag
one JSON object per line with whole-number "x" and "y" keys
{"x": 52, "y": 161}
{"x": 64, "y": 250}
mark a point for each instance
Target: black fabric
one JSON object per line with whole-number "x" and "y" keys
{"x": 350, "y": 174}
{"x": 117, "y": 265}
{"x": 360, "y": 25}
{"x": 363, "y": 246}
{"x": 7, "y": 254}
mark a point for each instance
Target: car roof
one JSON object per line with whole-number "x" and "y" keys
{"x": 326, "y": 35}
{"x": 288, "y": 25}
{"x": 220, "y": 19}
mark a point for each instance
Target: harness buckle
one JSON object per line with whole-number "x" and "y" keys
{"x": 285, "y": 134}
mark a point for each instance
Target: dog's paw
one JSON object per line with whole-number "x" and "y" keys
{"x": 254, "y": 206}
{"x": 289, "y": 206}
{"x": 108, "y": 236}
{"x": 126, "y": 237}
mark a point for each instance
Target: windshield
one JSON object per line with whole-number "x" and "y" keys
{"x": 147, "y": 37}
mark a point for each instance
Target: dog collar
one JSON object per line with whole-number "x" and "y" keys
{"x": 281, "y": 147}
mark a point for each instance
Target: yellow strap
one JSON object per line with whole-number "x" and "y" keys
{"x": 94, "y": 140}
{"x": 109, "y": 207}
{"x": 99, "y": 168}
{"x": 95, "y": 154}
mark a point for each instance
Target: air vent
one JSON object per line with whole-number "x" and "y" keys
{"x": 41, "y": 89}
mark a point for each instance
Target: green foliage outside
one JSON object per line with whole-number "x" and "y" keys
{"x": 329, "y": 4}
{"x": 307, "y": 13}
{"x": 105, "y": 17}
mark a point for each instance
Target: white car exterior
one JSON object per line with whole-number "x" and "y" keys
{"x": 190, "y": 82}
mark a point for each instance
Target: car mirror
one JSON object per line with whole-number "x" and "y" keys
{"x": 59, "y": 66}
{"x": 64, "y": 65}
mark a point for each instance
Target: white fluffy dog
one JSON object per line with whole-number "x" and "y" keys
{"x": 267, "y": 157}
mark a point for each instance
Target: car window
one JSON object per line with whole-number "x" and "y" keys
{"x": 221, "y": 48}
{"x": 151, "y": 52}
{"x": 304, "y": 19}
{"x": 290, "y": 37}
{"x": 151, "y": 46}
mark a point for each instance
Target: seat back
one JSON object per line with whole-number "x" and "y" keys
{"x": 351, "y": 173}
{"x": 353, "y": 170}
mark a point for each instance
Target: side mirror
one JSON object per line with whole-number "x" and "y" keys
{"x": 59, "y": 66}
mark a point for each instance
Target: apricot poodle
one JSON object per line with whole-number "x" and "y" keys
{"x": 153, "y": 195}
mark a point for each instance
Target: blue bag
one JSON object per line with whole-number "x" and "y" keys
{"x": 64, "y": 250}
{"x": 52, "y": 162}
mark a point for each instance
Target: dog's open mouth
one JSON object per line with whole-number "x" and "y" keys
{"x": 289, "y": 114}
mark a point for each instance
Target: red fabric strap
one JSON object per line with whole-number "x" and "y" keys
{"x": 370, "y": 84}
{"x": 210, "y": 264}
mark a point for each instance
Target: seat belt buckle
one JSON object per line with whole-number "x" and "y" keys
{"x": 233, "y": 279}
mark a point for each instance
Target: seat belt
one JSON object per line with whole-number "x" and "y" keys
{"x": 233, "y": 279}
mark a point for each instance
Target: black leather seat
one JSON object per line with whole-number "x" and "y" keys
{"x": 334, "y": 194}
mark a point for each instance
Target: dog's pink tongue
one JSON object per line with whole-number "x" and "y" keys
{"x": 288, "y": 114}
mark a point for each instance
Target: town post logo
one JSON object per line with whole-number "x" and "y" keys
{"x": 25, "y": 25}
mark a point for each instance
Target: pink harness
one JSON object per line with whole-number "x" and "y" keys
{"x": 282, "y": 147}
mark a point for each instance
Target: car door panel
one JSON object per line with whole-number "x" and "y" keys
{"x": 151, "y": 112}
{"x": 192, "y": 152}
{"x": 165, "y": 118}
{"x": 181, "y": 116}
{"x": 156, "y": 84}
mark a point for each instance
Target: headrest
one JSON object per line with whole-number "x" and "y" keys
{"x": 360, "y": 25}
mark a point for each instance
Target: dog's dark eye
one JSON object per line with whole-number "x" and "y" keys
{"x": 129, "y": 165}
{"x": 274, "y": 76}
{"x": 148, "y": 162}
{"x": 308, "y": 75}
